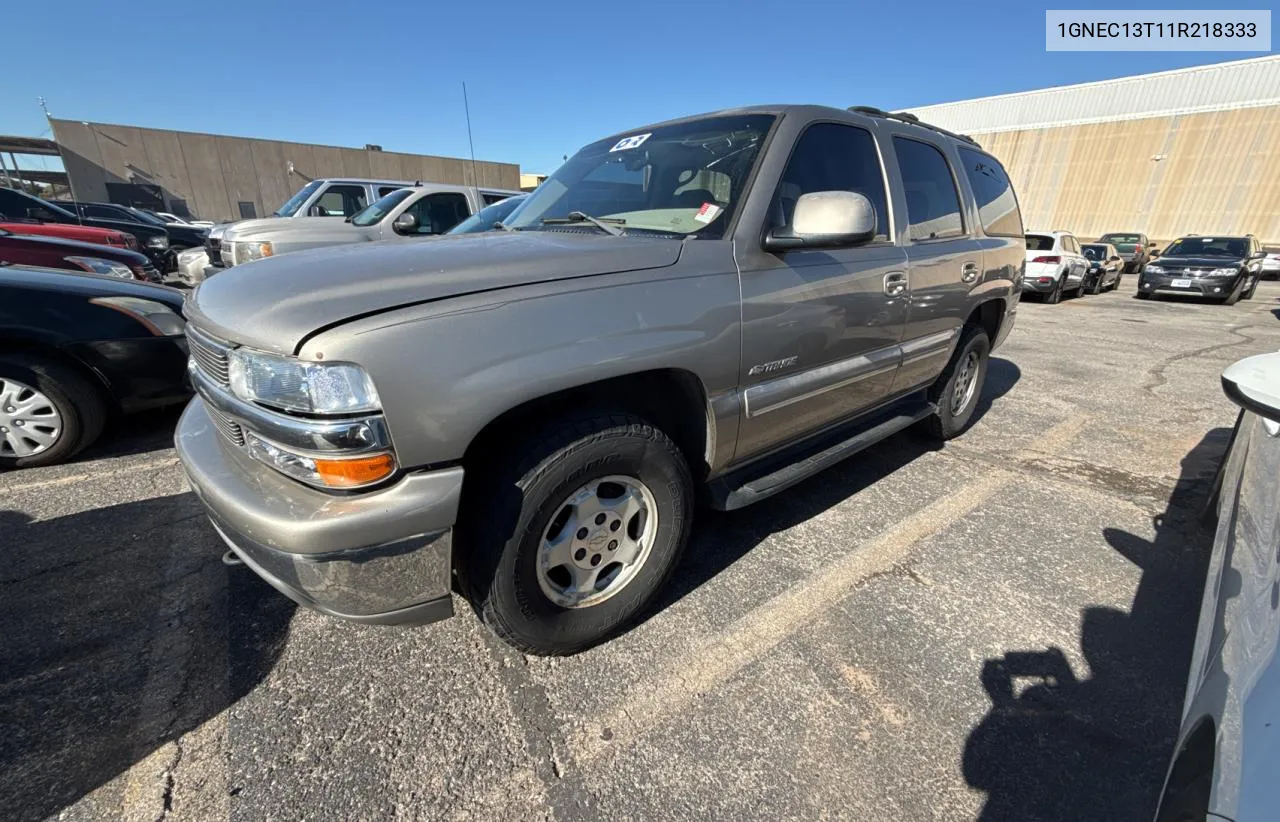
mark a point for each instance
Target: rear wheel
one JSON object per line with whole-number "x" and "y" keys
{"x": 48, "y": 412}
{"x": 959, "y": 387}
{"x": 568, "y": 539}
{"x": 1055, "y": 294}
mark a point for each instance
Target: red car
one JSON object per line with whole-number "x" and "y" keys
{"x": 82, "y": 233}
{"x": 72, "y": 255}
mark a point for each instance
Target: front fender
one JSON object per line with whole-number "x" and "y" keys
{"x": 444, "y": 370}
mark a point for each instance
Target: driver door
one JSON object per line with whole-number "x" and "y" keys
{"x": 820, "y": 327}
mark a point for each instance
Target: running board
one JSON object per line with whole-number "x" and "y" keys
{"x": 753, "y": 483}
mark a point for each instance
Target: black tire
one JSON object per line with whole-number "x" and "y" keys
{"x": 1055, "y": 294}
{"x": 1233, "y": 297}
{"x": 950, "y": 422}
{"x": 521, "y": 493}
{"x": 1095, "y": 287}
{"x": 1116, "y": 285}
{"x": 76, "y": 400}
{"x": 1248, "y": 295}
{"x": 1142, "y": 295}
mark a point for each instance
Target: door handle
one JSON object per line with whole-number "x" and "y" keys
{"x": 895, "y": 283}
{"x": 969, "y": 272}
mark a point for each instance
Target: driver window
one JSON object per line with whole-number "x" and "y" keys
{"x": 832, "y": 157}
{"x": 437, "y": 213}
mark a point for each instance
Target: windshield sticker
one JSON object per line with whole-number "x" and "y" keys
{"x": 630, "y": 142}
{"x": 707, "y": 213}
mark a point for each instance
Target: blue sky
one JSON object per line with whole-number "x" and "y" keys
{"x": 543, "y": 78}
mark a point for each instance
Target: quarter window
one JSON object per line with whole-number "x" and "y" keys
{"x": 832, "y": 157}
{"x": 493, "y": 197}
{"x": 933, "y": 204}
{"x": 385, "y": 190}
{"x": 997, "y": 204}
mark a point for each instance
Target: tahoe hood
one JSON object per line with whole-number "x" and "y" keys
{"x": 275, "y": 303}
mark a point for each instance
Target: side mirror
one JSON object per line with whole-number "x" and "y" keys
{"x": 1254, "y": 384}
{"x": 825, "y": 219}
{"x": 1113, "y": 259}
{"x": 1155, "y": 252}
{"x": 406, "y": 223}
{"x": 317, "y": 210}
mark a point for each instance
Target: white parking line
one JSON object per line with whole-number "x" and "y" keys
{"x": 95, "y": 475}
{"x": 702, "y": 665}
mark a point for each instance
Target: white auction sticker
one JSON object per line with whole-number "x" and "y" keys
{"x": 630, "y": 142}
{"x": 707, "y": 213}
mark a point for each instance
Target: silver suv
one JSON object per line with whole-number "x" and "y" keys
{"x": 717, "y": 306}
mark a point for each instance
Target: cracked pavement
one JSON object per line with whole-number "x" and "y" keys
{"x": 996, "y": 629}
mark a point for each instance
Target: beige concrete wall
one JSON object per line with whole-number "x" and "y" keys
{"x": 213, "y": 173}
{"x": 1220, "y": 175}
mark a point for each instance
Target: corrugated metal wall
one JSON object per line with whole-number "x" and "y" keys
{"x": 1220, "y": 174}
{"x": 1237, "y": 84}
{"x": 213, "y": 173}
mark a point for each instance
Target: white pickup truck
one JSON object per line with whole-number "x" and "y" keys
{"x": 422, "y": 210}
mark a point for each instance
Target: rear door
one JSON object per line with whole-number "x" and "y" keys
{"x": 1077, "y": 265}
{"x": 944, "y": 260}
{"x": 820, "y": 327}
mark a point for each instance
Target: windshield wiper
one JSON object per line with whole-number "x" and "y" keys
{"x": 601, "y": 223}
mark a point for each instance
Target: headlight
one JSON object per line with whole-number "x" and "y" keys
{"x": 97, "y": 265}
{"x": 1224, "y": 272}
{"x": 158, "y": 318}
{"x": 290, "y": 384}
{"x": 158, "y": 241}
{"x": 323, "y": 472}
{"x": 1155, "y": 269}
{"x": 247, "y": 251}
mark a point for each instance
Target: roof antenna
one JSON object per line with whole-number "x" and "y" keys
{"x": 475, "y": 178}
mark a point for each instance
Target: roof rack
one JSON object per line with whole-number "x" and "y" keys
{"x": 908, "y": 117}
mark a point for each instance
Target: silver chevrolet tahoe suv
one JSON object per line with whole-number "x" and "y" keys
{"x": 715, "y": 307}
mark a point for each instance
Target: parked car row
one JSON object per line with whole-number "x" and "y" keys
{"x": 1226, "y": 269}
{"x": 18, "y": 209}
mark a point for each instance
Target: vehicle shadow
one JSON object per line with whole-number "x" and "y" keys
{"x": 1058, "y": 747}
{"x": 138, "y": 433}
{"x": 720, "y": 539}
{"x": 122, "y": 631}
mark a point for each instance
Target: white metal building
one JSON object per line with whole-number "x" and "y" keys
{"x": 1193, "y": 150}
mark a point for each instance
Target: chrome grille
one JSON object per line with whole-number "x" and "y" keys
{"x": 209, "y": 355}
{"x": 229, "y": 428}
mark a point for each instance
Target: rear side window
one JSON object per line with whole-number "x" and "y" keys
{"x": 997, "y": 205}
{"x": 933, "y": 204}
{"x": 833, "y": 157}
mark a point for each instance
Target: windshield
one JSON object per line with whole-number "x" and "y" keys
{"x": 484, "y": 219}
{"x": 1039, "y": 242}
{"x": 1094, "y": 252}
{"x": 146, "y": 216}
{"x": 380, "y": 207}
{"x": 679, "y": 179}
{"x": 1235, "y": 247}
{"x": 295, "y": 202}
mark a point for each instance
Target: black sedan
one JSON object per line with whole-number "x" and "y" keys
{"x": 1225, "y": 269}
{"x": 1106, "y": 268}
{"x": 76, "y": 349}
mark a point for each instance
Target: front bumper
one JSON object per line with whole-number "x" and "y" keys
{"x": 1216, "y": 287}
{"x": 380, "y": 557}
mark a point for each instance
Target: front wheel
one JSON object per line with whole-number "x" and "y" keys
{"x": 1248, "y": 295}
{"x": 48, "y": 412}
{"x": 1115, "y": 286}
{"x": 1095, "y": 287}
{"x": 568, "y": 539}
{"x": 958, "y": 388}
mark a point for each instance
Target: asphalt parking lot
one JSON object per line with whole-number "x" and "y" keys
{"x": 998, "y": 629}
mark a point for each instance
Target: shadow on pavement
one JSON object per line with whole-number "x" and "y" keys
{"x": 720, "y": 539}
{"x": 135, "y": 434}
{"x": 122, "y": 631}
{"x": 1057, "y": 747}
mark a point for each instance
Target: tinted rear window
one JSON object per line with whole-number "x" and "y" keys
{"x": 1095, "y": 252}
{"x": 1039, "y": 242}
{"x": 997, "y": 205}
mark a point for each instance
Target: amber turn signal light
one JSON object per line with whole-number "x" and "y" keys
{"x": 351, "y": 473}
